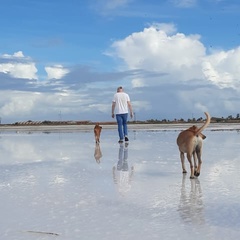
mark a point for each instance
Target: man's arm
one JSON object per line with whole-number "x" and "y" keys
{"x": 130, "y": 108}
{"x": 113, "y": 108}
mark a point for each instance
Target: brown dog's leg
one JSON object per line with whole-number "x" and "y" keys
{"x": 197, "y": 172}
{"x": 189, "y": 157}
{"x": 195, "y": 162}
{"x": 183, "y": 163}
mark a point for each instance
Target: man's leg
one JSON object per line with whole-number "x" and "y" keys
{"x": 120, "y": 126}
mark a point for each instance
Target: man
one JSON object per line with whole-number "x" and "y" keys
{"x": 121, "y": 103}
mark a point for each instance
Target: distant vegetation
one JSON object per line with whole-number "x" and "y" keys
{"x": 229, "y": 119}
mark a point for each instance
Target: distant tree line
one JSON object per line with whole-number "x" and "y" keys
{"x": 228, "y": 119}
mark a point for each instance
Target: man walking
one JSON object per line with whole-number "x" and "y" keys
{"x": 121, "y": 103}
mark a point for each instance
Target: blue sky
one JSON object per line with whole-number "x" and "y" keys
{"x": 65, "y": 59}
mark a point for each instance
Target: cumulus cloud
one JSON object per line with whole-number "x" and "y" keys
{"x": 16, "y": 103}
{"x": 56, "y": 72}
{"x": 181, "y": 56}
{"x": 154, "y": 50}
{"x": 25, "y": 105}
{"x": 222, "y": 68}
{"x": 18, "y": 66}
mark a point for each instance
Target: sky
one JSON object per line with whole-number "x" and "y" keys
{"x": 64, "y": 59}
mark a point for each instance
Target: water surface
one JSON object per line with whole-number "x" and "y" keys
{"x": 60, "y": 185}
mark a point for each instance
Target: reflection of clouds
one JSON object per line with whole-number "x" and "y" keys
{"x": 191, "y": 208}
{"x": 122, "y": 174}
{"x": 97, "y": 153}
{"x": 19, "y": 149}
{"x": 37, "y": 147}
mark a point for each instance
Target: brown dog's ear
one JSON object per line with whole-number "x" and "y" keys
{"x": 193, "y": 128}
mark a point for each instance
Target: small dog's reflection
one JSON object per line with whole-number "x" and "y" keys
{"x": 122, "y": 175}
{"x": 191, "y": 207}
{"x": 97, "y": 153}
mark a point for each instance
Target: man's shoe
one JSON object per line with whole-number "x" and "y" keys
{"x": 120, "y": 141}
{"x": 126, "y": 139}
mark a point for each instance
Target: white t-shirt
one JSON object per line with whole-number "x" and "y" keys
{"x": 121, "y": 99}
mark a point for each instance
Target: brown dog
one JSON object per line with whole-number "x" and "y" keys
{"x": 189, "y": 141}
{"x": 97, "y": 132}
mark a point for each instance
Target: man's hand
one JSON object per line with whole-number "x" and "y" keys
{"x": 112, "y": 115}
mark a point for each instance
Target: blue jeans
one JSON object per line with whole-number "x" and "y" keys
{"x": 122, "y": 125}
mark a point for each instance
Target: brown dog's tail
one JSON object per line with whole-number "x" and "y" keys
{"x": 205, "y": 124}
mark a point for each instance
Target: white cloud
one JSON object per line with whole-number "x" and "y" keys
{"x": 222, "y": 68}
{"x": 23, "y": 106}
{"x": 18, "y": 54}
{"x": 180, "y": 56}
{"x": 16, "y": 103}
{"x": 18, "y": 66}
{"x": 56, "y": 71}
{"x": 154, "y": 50}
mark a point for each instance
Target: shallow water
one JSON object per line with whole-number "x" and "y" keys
{"x": 61, "y": 183}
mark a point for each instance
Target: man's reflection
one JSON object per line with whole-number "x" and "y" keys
{"x": 122, "y": 175}
{"x": 191, "y": 206}
{"x": 97, "y": 153}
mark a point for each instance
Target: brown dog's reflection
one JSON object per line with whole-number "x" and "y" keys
{"x": 191, "y": 207}
{"x": 97, "y": 153}
{"x": 122, "y": 174}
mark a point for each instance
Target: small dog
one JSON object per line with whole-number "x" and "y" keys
{"x": 97, "y": 132}
{"x": 189, "y": 141}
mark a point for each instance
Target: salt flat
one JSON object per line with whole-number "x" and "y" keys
{"x": 59, "y": 185}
